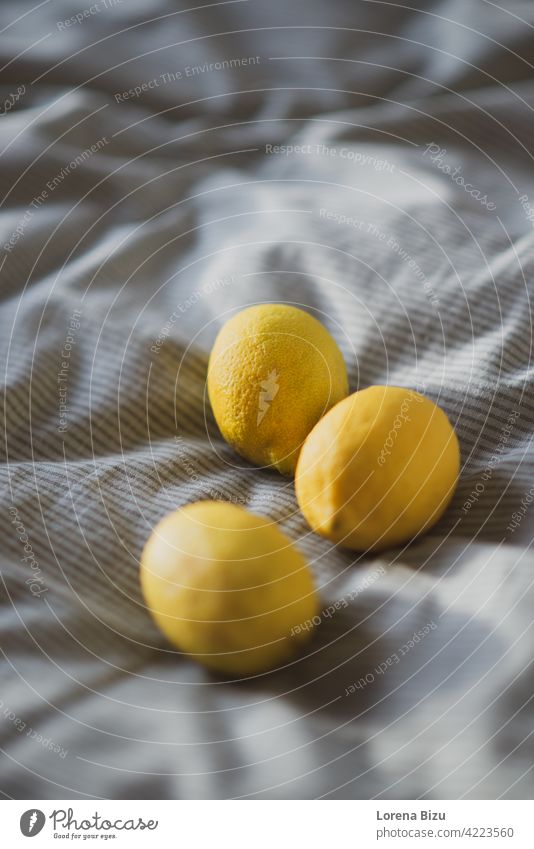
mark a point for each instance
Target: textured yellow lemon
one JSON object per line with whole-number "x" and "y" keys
{"x": 378, "y": 469}
{"x": 227, "y": 587}
{"x": 273, "y": 372}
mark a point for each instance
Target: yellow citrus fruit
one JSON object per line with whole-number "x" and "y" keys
{"x": 378, "y": 469}
{"x": 227, "y": 587}
{"x": 273, "y": 372}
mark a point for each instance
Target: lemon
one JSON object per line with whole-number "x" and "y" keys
{"x": 378, "y": 469}
{"x": 273, "y": 372}
{"x": 227, "y": 587}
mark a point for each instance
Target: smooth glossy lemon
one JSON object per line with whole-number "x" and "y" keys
{"x": 273, "y": 372}
{"x": 227, "y": 587}
{"x": 378, "y": 469}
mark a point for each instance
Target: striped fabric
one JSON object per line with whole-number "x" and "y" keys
{"x": 161, "y": 168}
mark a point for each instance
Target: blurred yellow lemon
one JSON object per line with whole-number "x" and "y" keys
{"x": 273, "y": 372}
{"x": 227, "y": 587}
{"x": 378, "y": 469}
